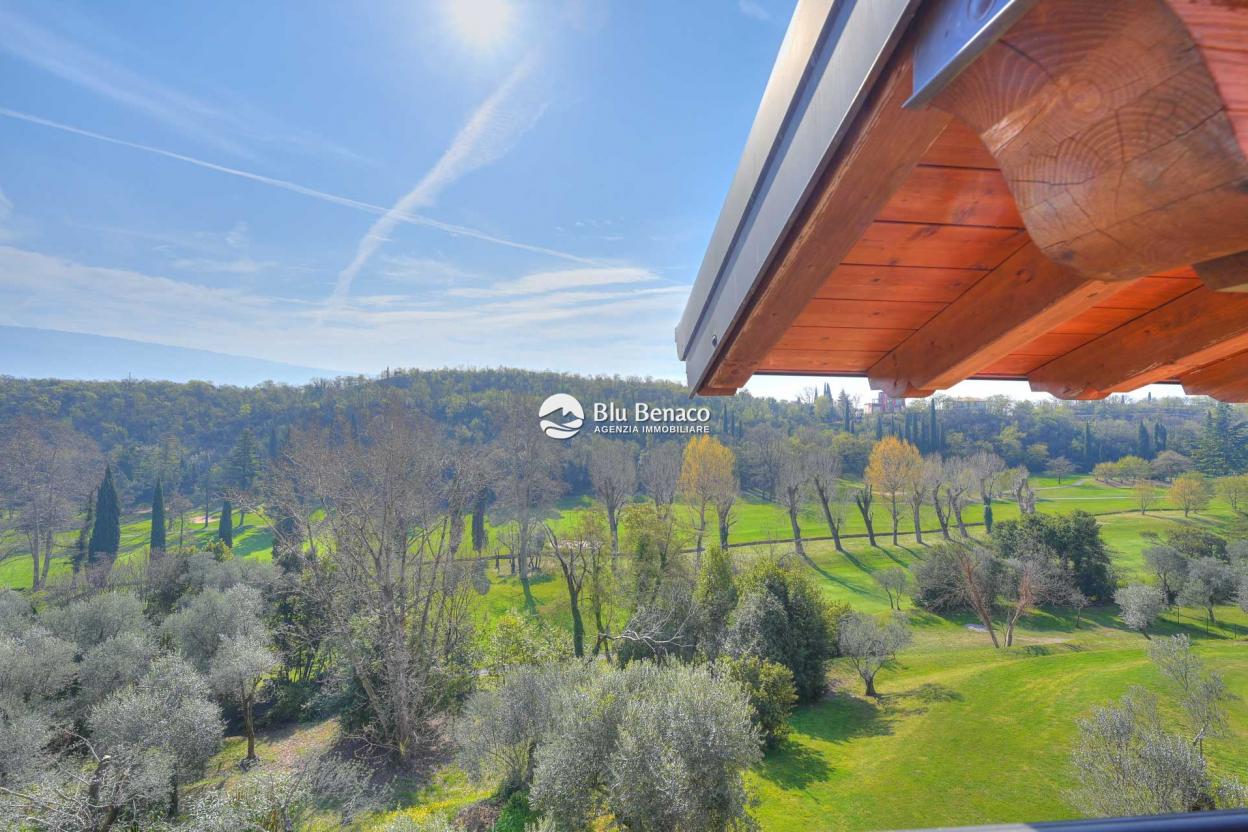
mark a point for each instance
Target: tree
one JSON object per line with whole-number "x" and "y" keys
{"x": 157, "y": 539}
{"x": 385, "y": 585}
{"x": 238, "y": 668}
{"x": 715, "y": 595}
{"x": 1128, "y": 763}
{"x": 863, "y": 498}
{"x": 1234, "y": 490}
{"x": 1209, "y": 582}
{"x": 575, "y": 554}
{"x": 529, "y": 481}
{"x": 894, "y": 582}
{"x": 91, "y": 621}
{"x": 1201, "y": 694}
{"x": 43, "y": 468}
{"x": 660, "y": 473}
{"x": 961, "y": 575}
{"x": 1140, "y": 605}
{"x": 784, "y": 618}
{"x": 1133, "y": 469}
{"x": 210, "y": 616}
{"x": 824, "y": 466}
{"x": 225, "y": 525}
{"x": 1061, "y": 467}
{"x": 1169, "y": 464}
{"x": 613, "y": 474}
{"x": 1220, "y": 447}
{"x": 791, "y": 482}
{"x": 1145, "y": 494}
{"x": 987, "y": 468}
{"x": 769, "y": 688}
{"x": 894, "y": 465}
{"x": 1144, "y": 443}
{"x": 166, "y": 714}
{"x": 707, "y": 479}
{"x": 106, "y": 535}
{"x": 663, "y": 748}
{"x": 869, "y": 645}
{"x": 1170, "y": 567}
{"x": 959, "y": 477}
{"x": 1190, "y": 491}
{"x": 242, "y": 467}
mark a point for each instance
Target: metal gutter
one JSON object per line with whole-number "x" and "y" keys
{"x": 831, "y": 56}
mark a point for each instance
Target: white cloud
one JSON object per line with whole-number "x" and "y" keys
{"x": 486, "y": 137}
{"x": 751, "y": 8}
{"x": 594, "y": 331}
{"x": 552, "y": 281}
{"x": 240, "y": 265}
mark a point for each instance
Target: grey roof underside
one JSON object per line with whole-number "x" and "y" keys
{"x": 831, "y": 56}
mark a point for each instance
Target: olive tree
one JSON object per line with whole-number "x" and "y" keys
{"x": 111, "y": 665}
{"x": 1127, "y": 763}
{"x": 655, "y": 747}
{"x": 93, "y": 620}
{"x": 1170, "y": 567}
{"x": 894, "y": 582}
{"x": 236, "y": 673}
{"x": 1209, "y": 582}
{"x": 869, "y": 644}
{"x": 166, "y": 719}
{"x": 206, "y": 618}
{"x": 1140, "y": 605}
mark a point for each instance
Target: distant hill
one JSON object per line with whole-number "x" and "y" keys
{"x": 48, "y": 353}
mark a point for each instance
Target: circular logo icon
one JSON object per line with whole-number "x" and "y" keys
{"x": 561, "y": 416}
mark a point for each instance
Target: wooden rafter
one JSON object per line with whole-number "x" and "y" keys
{"x": 886, "y": 143}
{"x": 1198, "y": 328}
{"x": 1017, "y": 302}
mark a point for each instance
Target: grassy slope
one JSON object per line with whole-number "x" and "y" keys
{"x": 963, "y": 733}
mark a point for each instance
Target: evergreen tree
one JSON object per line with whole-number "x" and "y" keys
{"x": 933, "y": 425}
{"x": 225, "y": 526}
{"x": 158, "y": 519}
{"x": 988, "y": 517}
{"x": 1220, "y": 448}
{"x": 243, "y": 466}
{"x": 81, "y": 549}
{"x": 1144, "y": 444}
{"x": 847, "y": 411}
{"x": 1089, "y": 456}
{"x": 274, "y": 445}
{"x": 106, "y": 534}
{"x": 879, "y": 426}
{"x": 1159, "y": 437}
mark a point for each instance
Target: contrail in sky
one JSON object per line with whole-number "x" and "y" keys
{"x": 397, "y": 214}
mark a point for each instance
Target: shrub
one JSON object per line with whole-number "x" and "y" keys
{"x": 769, "y": 688}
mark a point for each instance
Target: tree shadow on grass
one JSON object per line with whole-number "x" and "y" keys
{"x": 794, "y": 766}
{"x": 840, "y": 717}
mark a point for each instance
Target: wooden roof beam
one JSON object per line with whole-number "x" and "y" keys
{"x": 1020, "y": 300}
{"x": 1121, "y": 127}
{"x": 1195, "y": 329}
{"x": 1225, "y": 380}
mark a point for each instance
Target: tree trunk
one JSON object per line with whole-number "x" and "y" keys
{"x": 578, "y": 625}
{"x": 870, "y": 680}
{"x": 893, "y": 509}
{"x": 797, "y": 531}
{"x": 918, "y": 524}
{"x": 250, "y": 724}
{"x": 957, "y": 514}
{"x": 613, "y": 521}
{"x": 173, "y": 795}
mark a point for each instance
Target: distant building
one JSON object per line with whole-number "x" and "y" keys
{"x": 884, "y": 403}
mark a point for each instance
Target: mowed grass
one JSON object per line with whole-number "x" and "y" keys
{"x": 964, "y": 733}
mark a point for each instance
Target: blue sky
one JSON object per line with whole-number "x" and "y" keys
{"x": 415, "y": 184}
{"x": 402, "y": 184}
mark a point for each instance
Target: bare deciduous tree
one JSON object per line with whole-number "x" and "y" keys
{"x": 45, "y": 472}
{"x": 613, "y": 474}
{"x": 869, "y": 644}
{"x": 825, "y": 467}
{"x": 791, "y": 479}
{"x": 659, "y": 472}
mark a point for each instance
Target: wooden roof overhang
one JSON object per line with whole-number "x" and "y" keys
{"x": 936, "y": 190}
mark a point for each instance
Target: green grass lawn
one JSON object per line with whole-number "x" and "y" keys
{"x": 962, "y": 734}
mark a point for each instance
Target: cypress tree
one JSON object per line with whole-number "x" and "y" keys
{"x": 1159, "y": 437}
{"x": 1089, "y": 459}
{"x": 225, "y": 526}
{"x": 81, "y": 549}
{"x": 879, "y": 426}
{"x": 933, "y": 429}
{"x": 1144, "y": 444}
{"x": 274, "y": 446}
{"x": 158, "y": 519}
{"x": 988, "y": 518}
{"x": 106, "y": 534}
